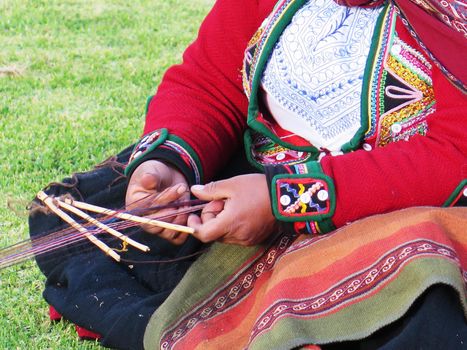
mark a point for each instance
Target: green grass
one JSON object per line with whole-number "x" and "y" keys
{"x": 83, "y": 72}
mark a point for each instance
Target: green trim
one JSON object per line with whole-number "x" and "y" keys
{"x": 148, "y": 102}
{"x": 455, "y": 193}
{"x": 274, "y": 35}
{"x": 137, "y": 161}
{"x": 190, "y": 151}
{"x": 373, "y": 56}
{"x": 313, "y": 217}
{"x": 314, "y": 167}
{"x": 325, "y": 226}
{"x": 271, "y": 40}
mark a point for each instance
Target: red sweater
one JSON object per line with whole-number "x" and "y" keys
{"x": 202, "y": 102}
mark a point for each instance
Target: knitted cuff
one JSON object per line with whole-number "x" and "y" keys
{"x": 302, "y": 196}
{"x": 171, "y": 149}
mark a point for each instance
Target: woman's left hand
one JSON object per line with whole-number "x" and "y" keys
{"x": 239, "y": 211}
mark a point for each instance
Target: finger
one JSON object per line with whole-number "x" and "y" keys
{"x": 178, "y": 220}
{"x": 138, "y": 199}
{"x": 211, "y": 210}
{"x": 210, "y": 230}
{"x": 180, "y": 239}
{"x": 151, "y": 198}
{"x": 213, "y": 190}
{"x": 194, "y": 221}
{"x": 143, "y": 183}
{"x": 172, "y": 193}
{"x": 174, "y": 237}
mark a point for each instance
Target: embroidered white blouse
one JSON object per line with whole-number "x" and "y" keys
{"x": 313, "y": 79}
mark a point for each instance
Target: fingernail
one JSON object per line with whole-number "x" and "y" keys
{"x": 197, "y": 187}
{"x": 181, "y": 189}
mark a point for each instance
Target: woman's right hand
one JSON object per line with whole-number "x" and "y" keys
{"x": 156, "y": 183}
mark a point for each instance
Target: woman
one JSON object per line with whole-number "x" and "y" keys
{"x": 342, "y": 107}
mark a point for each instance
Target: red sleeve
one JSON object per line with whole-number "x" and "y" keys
{"x": 201, "y": 100}
{"x": 423, "y": 171}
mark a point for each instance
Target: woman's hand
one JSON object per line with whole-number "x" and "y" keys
{"x": 239, "y": 211}
{"x": 153, "y": 183}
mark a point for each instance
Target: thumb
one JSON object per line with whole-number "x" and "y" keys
{"x": 148, "y": 175}
{"x": 149, "y": 180}
{"x": 211, "y": 191}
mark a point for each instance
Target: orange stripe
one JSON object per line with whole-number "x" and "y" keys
{"x": 353, "y": 249}
{"x": 329, "y": 261}
{"x": 328, "y": 267}
{"x": 230, "y": 330}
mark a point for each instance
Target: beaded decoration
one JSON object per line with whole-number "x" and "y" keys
{"x": 306, "y": 227}
{"x": 148, "y": 143}
{"x": 265, "y": 151}
{"x": 401, "y": 92}
{"x": 408, "y": 81}
{"x": 302, "y": 197}
{"x": 161, "y": 140}
{"x": 453, "y": 13}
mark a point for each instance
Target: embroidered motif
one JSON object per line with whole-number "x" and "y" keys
{"x": 407, "y": 82}
{"x": 401, "y": 90}
{"x": 451, "y": 12}
{"x": 229, "y": 294}
{"x": 264, "y": 151}
{"x": 354, "y": 287}
{"x": 349, "y": 289}
{"x": 148, "y": 143}
{"x": 248, "y": 59}
{"x": 315, "y": 71}
{"x": 301, "y": 197}
{"x": 160, "y": 139}
{"x": 257, "y": 43}
{"x": 408, "y": 87}
{"x": 375, "y": 76}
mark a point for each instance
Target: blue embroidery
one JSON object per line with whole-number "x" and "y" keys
{"x": 316, "y": 68}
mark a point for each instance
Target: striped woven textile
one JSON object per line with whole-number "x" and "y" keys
{"x": 295, "y": 291}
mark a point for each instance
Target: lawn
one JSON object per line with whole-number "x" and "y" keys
{"x": 74, "y": 78}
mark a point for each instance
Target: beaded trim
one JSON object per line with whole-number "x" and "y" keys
{"x": 302, "y": 197}
{"x": 306, "y": 227}
{"x": 408, "y": 118}
{"x": 265, "y": 151}
{"x": 376, "y": 71}
{"x": 148, "y": 143}
{"x": 160, "y": 139}
{"x": 457, "y": 25}
{"x": 401, "y": 93}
